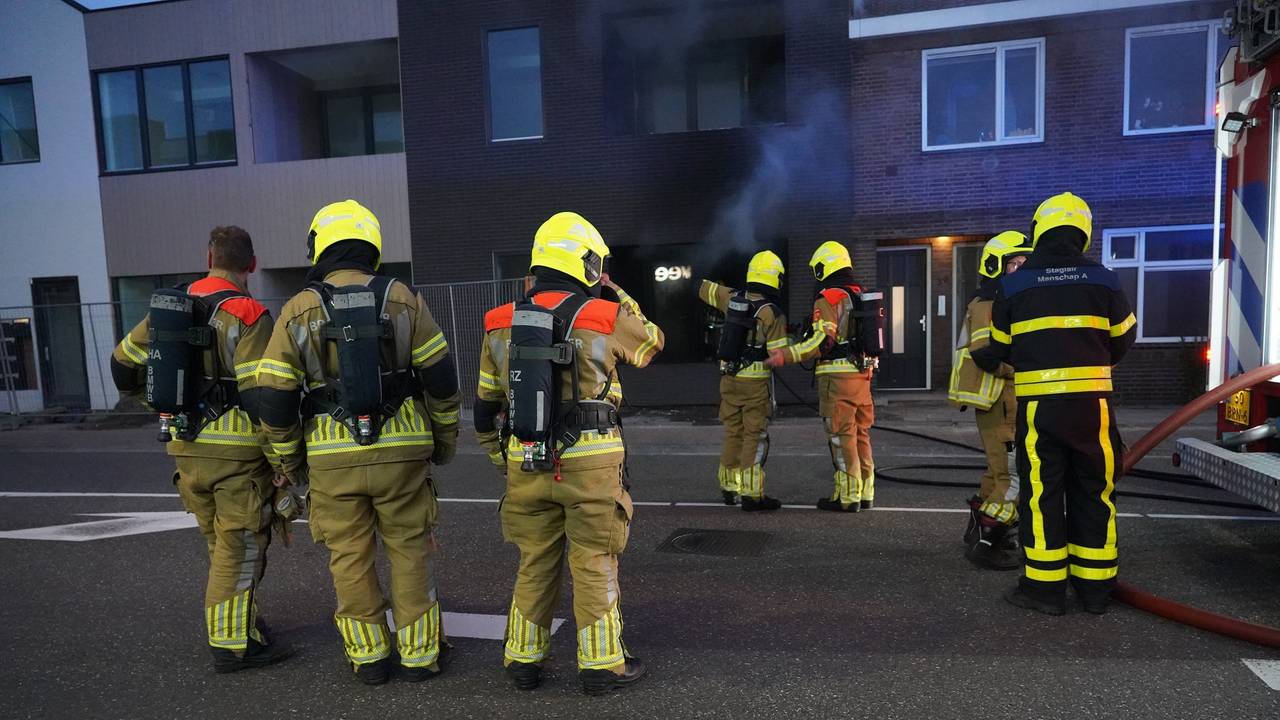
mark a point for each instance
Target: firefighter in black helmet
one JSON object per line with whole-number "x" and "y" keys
{"x": 1062, "y": 321}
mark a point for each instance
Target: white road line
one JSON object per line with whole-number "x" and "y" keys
{"x": 1267, "y": 670}
{"x": 475, "y": 625}
{"x": 662, "y": 503}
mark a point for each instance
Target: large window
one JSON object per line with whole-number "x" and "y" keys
{"x": 364, "y": 121}
{"x": 515, "y": 84}
{"x": 1165, "y": 273}
{"x": 19, "y": 141}
{"x": 983, "y": 94}
{"x": 1169, "y": 78}
{"x": 166, "y": 116}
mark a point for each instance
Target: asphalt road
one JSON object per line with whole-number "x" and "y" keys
{"x": 874, "y": 615}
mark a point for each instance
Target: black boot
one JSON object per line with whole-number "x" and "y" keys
{"x": 764, "y": 502}
{"x": 602, "y": 682}
{"x": 730, "y": 497}
{"x": 418, "y": 674}
{"x": 1019, "y": 598}
{"x": 526, "y": 676}
{"x": 256, "y": 655}
{"x": 867, "y": 504}
{"x": 374, "y": 673}
{"x": 973, "y": 530}
{"x": 1096, "y": 603}
{"x": 835, "y": 506}
{"x": 997, "y": 548}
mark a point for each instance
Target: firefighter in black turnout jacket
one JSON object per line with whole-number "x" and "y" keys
{"x": 1062, "y": 321}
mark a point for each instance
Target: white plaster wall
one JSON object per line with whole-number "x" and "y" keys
{"x": 50, "y": 211}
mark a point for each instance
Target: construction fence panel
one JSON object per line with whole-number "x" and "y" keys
{"x": 459, "y": 308}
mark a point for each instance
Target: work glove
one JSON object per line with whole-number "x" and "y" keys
{"x": 288, "y": 502}
{"x": 445, "y": 449}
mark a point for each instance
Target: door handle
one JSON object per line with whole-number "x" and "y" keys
{"x": 924, "y": 323}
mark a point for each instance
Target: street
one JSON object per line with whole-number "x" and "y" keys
{"x": 872, "y": 615}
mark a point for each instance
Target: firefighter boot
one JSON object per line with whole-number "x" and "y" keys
{"x": 835, "y": 506}
{"x": 526, "y": 676}
{"x": 1020, "y": 598}
{"x": 974, "y": 528}
{"x": 730, "y": 498}
{"x": 602, "y": 682}
{"x": 418, "y": 674}
{"x": 997, "y": 548}
{"x": 374, "y": 673}
{"x": 256, "y": 655}
{"x": 764, "y": 502}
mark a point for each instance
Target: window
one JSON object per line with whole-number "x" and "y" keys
{"x": 133, "y": 296}
{"x": 187, "y": 111}
{"x": 965, "y": 281}
{"x": 1165, "y": 273}
{"x": 19, "y": 141}
{"x": 364, "y": 121}
{"x": 1169, "y": 78}
{"x": 730, "y": 73}
{"x": 515, "y": 84}
{"x": 983, "y": 94}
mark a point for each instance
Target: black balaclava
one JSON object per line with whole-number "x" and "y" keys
{"x": 840, "y": 278}
{"x": 1064, "y": 241}
{"x": 772, "y": 294}
{"x": 545, "y": 279}
{"x": 344, "y": 255}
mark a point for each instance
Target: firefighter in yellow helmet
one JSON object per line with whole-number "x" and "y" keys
{"x": 754, "y": 324}
{"x": 990, "y": 538}
{"x": 547, "y": 414}
{"x": 1062, "y": 321}
{"x": 845, "y": 365}
{"x": 224, "y": 463}
{"x": 362, "y": 399}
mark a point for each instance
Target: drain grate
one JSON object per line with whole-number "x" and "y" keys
{"x": 692, "y": 541}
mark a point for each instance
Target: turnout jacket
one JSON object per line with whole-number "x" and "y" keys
{"x": 1062, "y": 321}
{"x": 292, "y": 364}
{"x": 241, "y": 327}
{"x": 832, "y": 318}
{"x": 605, "y": 335}
{"x": 770, "y": 331}
{"x": 970, "y": 384}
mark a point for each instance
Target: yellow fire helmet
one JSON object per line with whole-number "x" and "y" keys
{"x": 828, "y": 258}
{"x": 346, "y": 220}
{"x": 1065, "y": 210}
{"x": 568, "y": 243}
{"x": 999, "y": 249}
{"x": 766, "y": 268}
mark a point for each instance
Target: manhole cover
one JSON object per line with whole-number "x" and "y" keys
{"x": 692, "y": 541}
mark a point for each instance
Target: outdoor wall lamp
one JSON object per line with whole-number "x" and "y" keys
{"x": 1235, "y": 122}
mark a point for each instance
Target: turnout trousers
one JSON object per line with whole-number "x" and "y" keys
{"x": 1070, "y": 455}
{"x": 848, "y": 412}
{"x": 351, "y": 508}
{"x": 584, "y": 517}
{"x": 746, "y": 405}
{"x": 231, "y": 500}
{"x": 997, "y": 427}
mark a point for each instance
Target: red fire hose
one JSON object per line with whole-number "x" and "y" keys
{"x": 1231, "y": 627}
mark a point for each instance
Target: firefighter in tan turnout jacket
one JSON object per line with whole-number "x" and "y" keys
{"x": 754, "y": 324}
{"x": 991, "y": 539}
{"x": 549, "y": 383}
{"x": 379, "y": 406}
{"x": 224, "y": 464}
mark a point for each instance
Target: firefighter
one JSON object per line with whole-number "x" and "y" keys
{"x": 571, "y": 488}
{"x": 1062, "y": 321}
{"x": 990, "y": 540}
{"x": 844, "y": 379}
{"x": 754, "y": 324}
{"x": 361, "y": 399}
{"x": 224, "y": 463}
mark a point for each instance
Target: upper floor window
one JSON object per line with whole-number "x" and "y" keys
{"x": 983, "y": 94}
{"x": 19, "y": 141}
{"x": 515, "y": 84}
{"x": 364, "y": 121}
{"x": 1169, "y": 78}
{"x": 165, "y": 116}
{"x": 1165, "y": 274}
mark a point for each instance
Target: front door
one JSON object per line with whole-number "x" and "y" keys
{"x": 60, "y": 341}
{"x": 903, "y": 275}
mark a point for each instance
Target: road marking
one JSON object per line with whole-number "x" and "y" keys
{"x": 477, "y": 626}
{"x": 1267, "y": 670}
{"x": 1258, "y": 518}
{"x": 85, "y": 494}
{"x": 126, "y": 523}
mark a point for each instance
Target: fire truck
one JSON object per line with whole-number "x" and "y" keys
{"x": 1244, "y": 325}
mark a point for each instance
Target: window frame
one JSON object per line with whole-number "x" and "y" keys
{"x": 1144, "y": 266}
{"x": 1000, "y": 48}
{"x": 485, "y": 33}
{"x": 35, "y": 116}
{"x": 365, "y": 93}
{"x": 192, "y": 163}
{"x": 1213, "y": 29}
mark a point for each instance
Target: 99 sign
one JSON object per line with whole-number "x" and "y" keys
{"x": 674, "y": 272}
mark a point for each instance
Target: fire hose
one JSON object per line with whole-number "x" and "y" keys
{"x": 1136, "y": 597}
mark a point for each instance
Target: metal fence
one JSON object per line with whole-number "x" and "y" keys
{"x": 56, "y": 358}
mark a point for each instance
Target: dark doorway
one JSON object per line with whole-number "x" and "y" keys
{"x": 903, "y": 275}
{"x": 60, "y": 341}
